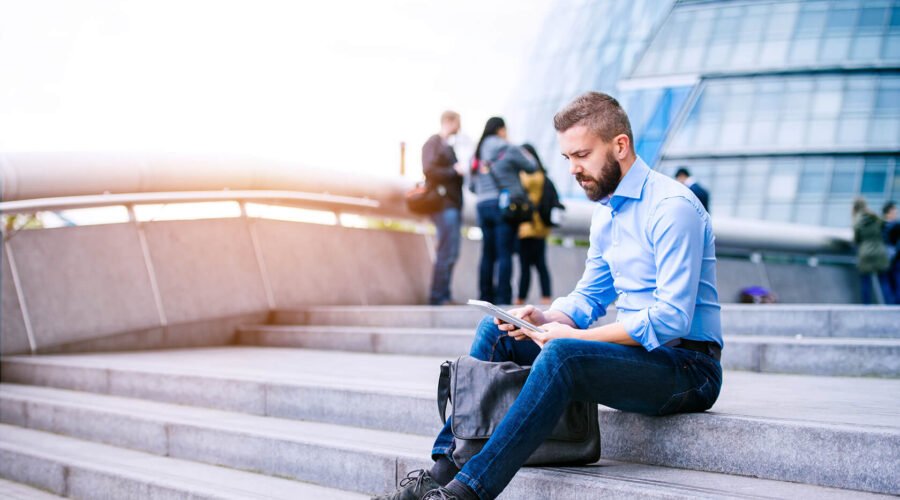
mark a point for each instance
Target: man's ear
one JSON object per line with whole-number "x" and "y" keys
{"x": 622, "y": 146}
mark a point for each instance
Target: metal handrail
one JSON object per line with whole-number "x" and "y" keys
{"x": 102, "y": 200}
{"x": 32, "y": 180}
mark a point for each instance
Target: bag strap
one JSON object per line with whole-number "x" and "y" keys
{"x": 443, "y": 391}
{"x": 490, "y": 167}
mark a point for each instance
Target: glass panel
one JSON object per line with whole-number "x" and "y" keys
{"x": 840, "y": 21}
{"x": 804, "y": 50}
{"x": 843, "y": 178}
{"x": 782, "y": 21}
{"x": 791, "y": 133}
{"x": 874, "y": 176}
{"x": 865, "y": 48}
{"x": 749, "y": 210}
{"x": 871, "y": 19}
{"x": 852, "y": 132}
{"x": 835, "y": 48}
{"x": 822, "y": 133}
{"x": 884, "y": 132}
{"x": 827, "y": 101}
{"x": 811, "y": 20}
{"x": 813, "y": 179}
{"x": 808, "y": 213}
{"x": 891, "y": 48}
{"x": 762, "y": 132}
{"x": 837, "y": 214}
{"x": 774, "y": 52}
{"x": 753, "y": 186}
{"x": 780, "y": 212}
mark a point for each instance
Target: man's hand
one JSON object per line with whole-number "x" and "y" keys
{"x": 552, "y": 331}
{"x": 529, "y": 313}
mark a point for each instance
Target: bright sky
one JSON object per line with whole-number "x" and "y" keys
{"x": 334, "y": 84}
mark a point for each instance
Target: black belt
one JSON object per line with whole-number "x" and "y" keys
{"x": 709, "y": 348}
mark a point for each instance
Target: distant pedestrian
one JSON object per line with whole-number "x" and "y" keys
{"x": 533, "y": 234}
{"x": 444, "y": 173}
{"x": 495, "y": 170}
{"x": 683, "y": 175}
{"x": 872, "y": 254}
{"x": 892, "y": 241}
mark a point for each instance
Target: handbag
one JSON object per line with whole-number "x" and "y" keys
{"x": 482, "y": 392}
{"x": 425, "y": 200}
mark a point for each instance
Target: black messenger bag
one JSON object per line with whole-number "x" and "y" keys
{"x": 481, "y": 393}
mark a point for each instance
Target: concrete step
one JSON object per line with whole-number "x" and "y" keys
{"x": 362, "y": 460}
{"x": 829, "y": 431}
{"x": 767, "y": 354}
{"x": 82, "y": 469}
{"x": 10, "y": 490}
{"x": 815, "y": 320}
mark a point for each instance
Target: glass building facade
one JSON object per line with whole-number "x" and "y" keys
{"x": 784, "y": 110}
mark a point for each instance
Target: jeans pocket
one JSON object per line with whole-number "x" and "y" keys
{"x": 695, "y": 400}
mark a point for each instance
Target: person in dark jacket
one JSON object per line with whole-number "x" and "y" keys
{"x": 495, "y": 170}
{"x": 683, "y": 175}
{"x": 444, "y": 174}
{"x": 892, "y": 240}
{"x": 872, "y": 254}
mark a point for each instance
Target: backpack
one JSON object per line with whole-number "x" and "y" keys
{"x": 549, "y": 201}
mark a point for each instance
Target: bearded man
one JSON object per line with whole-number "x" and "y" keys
{"x": 652, "y": 252}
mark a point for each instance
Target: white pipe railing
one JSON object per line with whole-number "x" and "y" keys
{"x": 39, "y": 181}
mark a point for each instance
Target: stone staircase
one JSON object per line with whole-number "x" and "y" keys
{"x": 337, "y": 402}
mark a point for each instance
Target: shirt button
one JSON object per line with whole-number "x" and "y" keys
{"x": 615, "y": 243}
{"x": 618, "y": 273}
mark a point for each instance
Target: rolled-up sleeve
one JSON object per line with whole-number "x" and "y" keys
{"x": 593, "y": 293}
{"x": 677, "y": 231}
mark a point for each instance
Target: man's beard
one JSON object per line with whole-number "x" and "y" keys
{"x": 606, "y": 184}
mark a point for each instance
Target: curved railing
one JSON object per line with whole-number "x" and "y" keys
{"x": 56, "y": 181}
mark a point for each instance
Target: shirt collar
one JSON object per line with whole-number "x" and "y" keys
{"x": 632, "y": 184}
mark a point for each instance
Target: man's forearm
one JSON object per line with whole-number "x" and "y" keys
{"x": 614, "y": 333}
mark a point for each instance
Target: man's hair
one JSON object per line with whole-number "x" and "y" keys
{"x": 449, "y": 115}
{"x": 887, "y": 207}
{"x": 682, "y": 171}
{"x": 599, "y": 112}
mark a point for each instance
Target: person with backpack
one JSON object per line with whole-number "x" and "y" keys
{"x": 495, "y": 182}
{"x": 533, "y": 234}
{"x": 872, "y": 255}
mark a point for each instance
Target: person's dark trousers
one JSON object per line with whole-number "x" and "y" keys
{"x": 497, "y": 244}
{"x": 895, "y": 280}
{"x": 660, "y": 382}
{"x": 448, "y": 224}
{"x": 867, "y": 284}
{"x": 532, "y": 253}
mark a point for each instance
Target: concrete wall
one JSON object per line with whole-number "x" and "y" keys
{"x": 792, "y": 283}
{"x": 190, "y": 283}
{"x": 91, "y": 288}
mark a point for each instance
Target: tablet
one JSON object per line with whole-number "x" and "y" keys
{"x": 503, "y": 315}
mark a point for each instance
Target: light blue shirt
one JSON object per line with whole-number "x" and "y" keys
{"x": 653, "y": 253}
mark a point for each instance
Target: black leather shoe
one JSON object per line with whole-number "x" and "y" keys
{"x": 415, "y": 486}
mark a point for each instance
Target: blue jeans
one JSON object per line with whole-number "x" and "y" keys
{"x": 448, "y": 224}
{"x": 660, "y": 382}
{"x": 497, "y": 244}
{"x": 867, "y": 283}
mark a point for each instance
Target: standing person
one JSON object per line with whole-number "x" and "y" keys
{"x": 872, "y": 254}
{"x": 892, "y": 240}
{"x": 683, "y": 175}
{"x": 495, "y": 168}
{"x": 652, "y": 251}
{"x": 533, "y": 234}
{"x": 444, "y": 173}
